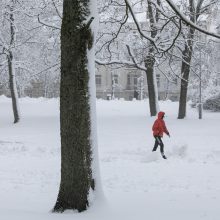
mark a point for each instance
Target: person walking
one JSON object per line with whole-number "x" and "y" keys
{"x": 159, "y": 128}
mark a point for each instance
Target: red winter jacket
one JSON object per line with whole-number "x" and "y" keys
{"x": 159, "y": 126}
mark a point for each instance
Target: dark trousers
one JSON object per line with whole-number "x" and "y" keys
{"x": 158, "y": 141}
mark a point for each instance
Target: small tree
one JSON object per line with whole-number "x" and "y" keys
{"x": 196, "y": 9}
{"x": 8, "y": 47}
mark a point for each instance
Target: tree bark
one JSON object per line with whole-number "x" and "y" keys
{"x": 149, "y": 63}
{"x": 11, "y": 68}
{"x": 75, "y": 120}
{"x": 185, "y": 70}
{"x": 13, "y": 88}
{"x": 187, "y": 57}
{"x": 186, "y": 61}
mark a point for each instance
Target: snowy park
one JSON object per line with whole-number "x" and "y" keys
{"x": 137, "y": 183}
{"x": 109, "y": 109}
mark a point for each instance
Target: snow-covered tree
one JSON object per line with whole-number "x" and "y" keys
{"x": 7, "y": 43}
{"x": 27, "y": 49}
{"x": 166, "y": 34}
{"x": 77, "y": 106}
{"x": 138, "y": 39}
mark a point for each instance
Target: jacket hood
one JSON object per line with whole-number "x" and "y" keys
{"x": 160, "y": 115}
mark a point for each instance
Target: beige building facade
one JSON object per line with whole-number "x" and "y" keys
{"x": 131, "y": 83}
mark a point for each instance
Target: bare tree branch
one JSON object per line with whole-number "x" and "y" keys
{"x": 188, "y": 22}
{"x": 46, "y": 24}
{"x": 58, "y": 12}
{"x": 118, "y": 62}
{"x": 138, "y": 26}
{"x": 134, "y": 60}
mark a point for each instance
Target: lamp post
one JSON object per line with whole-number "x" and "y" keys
{"x": 113, "y": 86}
{"x": 200, "y": 85}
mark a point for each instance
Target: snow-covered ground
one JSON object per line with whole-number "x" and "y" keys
{"x": 138, "y": 184}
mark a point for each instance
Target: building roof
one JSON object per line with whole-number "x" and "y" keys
{"x": 140, "y": 16}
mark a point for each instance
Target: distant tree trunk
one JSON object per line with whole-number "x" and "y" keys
{"x": 11, "y": 68}
{"x": 150, "y": 61}
{"x": 113, "y": 86}
{"x": 152, "y": 94}
{"x": 185, "y": 71}
{"x": 75, "y": 109}
{"x": 186, "y": 59}
{"x": 45, "y": 86}
{"x": 195, "y": 12}
{"x": 167, "y": 90}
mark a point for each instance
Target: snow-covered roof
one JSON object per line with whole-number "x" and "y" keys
{"x": 141, "y": 17}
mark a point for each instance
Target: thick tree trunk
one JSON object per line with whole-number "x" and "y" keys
{"x": 75, "y": 117}
{"x": 152, "y": 94}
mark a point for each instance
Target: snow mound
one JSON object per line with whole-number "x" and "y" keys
{"x": 151, "y": 157}
{"x": 4, "y": 99}
{"x": 179, "y": 151}
{"x": 213, "y": 156}
{"x": 11, "y": 147}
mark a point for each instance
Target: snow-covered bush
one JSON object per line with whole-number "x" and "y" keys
{"x": 212, "y": 103}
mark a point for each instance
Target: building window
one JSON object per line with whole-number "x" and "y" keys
{"x": 98, "y": 80}
{"x": 135, "y": 80}
{"x": 129, "y": 79}
{"x": 115, "y": 77}
{"x": 217, "y": 81}
{"x": 158, "y": 80}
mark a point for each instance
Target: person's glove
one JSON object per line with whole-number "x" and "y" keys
{"x": 168, "y": 134}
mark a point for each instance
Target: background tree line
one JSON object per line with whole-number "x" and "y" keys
{"x": 30, "y": 44}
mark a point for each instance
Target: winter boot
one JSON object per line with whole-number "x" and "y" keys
{"x": 163, "y": 155}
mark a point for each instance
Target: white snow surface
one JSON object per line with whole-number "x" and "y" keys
{"x": 137, "y": 183}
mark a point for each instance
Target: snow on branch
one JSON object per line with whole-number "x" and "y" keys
{"x": 176, "y": 37}
{"x": 134, "y": 60}
{"x": 118, "y": 62}
{"x": 159, "y": 47}
{"x": 46, "y": 69}
{"x": 205, "y": 8}
{"x": 114, "y": 35}
{"x": 3, "y": 43}
{"x": 57, "y": 10}
{"x": 138, "y": 26}
{"x": 188, "y": 22}
{"x": 46, "y": 24}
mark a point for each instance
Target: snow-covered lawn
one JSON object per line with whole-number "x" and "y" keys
{"x": 138, "y": 184}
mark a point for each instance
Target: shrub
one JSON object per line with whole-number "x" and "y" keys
{"x": 212, "y": 103}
